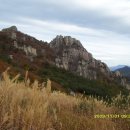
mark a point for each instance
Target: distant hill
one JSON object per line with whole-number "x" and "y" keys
{"x": 125, "y": 71}
{"x": 114, "y": 68}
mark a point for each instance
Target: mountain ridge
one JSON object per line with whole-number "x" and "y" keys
{"x": 114, "y": 68}
{"x": 22, "y": 52}
{"x": 125, "y": 71}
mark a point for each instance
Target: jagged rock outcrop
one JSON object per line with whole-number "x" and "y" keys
{"x": 22, "y": 46}
{"x": 64, "y": 52}
{"x": 12, "y": 28}
{"x": 29, "y": 50}
{"x": 14, "y": 34}
{"x": 72, "y": 56}
{"x": 11, "y": 31}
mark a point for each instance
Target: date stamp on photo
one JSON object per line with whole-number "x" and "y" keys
{"x": 105, "y": 116}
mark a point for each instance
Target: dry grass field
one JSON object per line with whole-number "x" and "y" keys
{"x": 33, "y": 106}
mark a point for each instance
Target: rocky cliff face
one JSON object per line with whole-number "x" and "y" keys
{"x": 72, "y": 56}
{"x": 23, "y": 49}
{"x": 11, "y": 31}
{"x": 64, "y": 52}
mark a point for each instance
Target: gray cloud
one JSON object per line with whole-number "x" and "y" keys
{"x": 96, "y": 25}
{"x": 63, "y": 12}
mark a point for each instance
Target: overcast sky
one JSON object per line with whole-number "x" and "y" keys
{"x": 103, "y": 26}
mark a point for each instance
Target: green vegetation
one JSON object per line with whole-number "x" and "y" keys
{"x": 5, "y": 58}
{"x": 80, "y": 84}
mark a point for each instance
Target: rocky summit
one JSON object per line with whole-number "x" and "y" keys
{"x": 10, "y": 29}
{"x": 72, "y": 56}
{"x": 63, "y": 52}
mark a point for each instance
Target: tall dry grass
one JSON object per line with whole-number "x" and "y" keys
{"x": 31, "y": 106}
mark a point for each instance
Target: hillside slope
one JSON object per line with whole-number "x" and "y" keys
{"x": 69, "y": 65}
{"x": 26, "y": 107}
